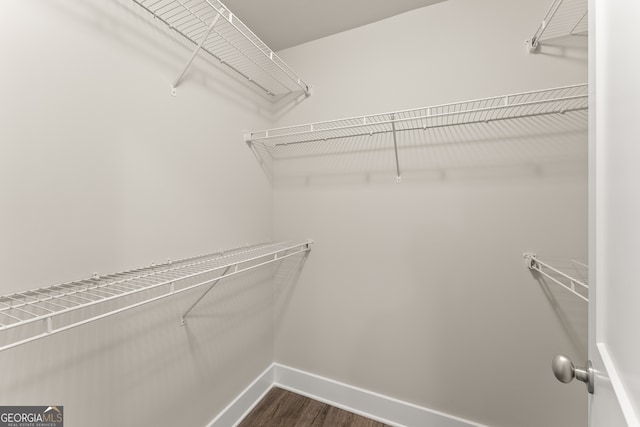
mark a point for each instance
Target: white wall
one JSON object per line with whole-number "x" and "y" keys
{"x": 102, "y": 170}
{"x": 418, "y": 290}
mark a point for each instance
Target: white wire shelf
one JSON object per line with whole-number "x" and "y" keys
{"x": 211, "y": 27}
{"x": 576, "y": 286}
{"x": 563, "y": 18}
{"x": 506, "y": 107}
{"x": 38, "y": 313}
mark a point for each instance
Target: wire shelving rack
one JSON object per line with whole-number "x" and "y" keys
{"x": 558, "y": 100}
{"x": 211, "y": 27}
{"x": 42, "y": 312}
{"x": 563, "y": 18}
{"x": 576, "y": 286}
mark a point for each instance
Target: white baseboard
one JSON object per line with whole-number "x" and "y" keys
{"x": 244, "y": 403}
{"x": 363, "y": 402}
{"x": 353, "y": 399}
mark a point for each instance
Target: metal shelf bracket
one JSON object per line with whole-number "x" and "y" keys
{"x": 395, "y": 147}
{"x": 531, "y": 45}
{"x": 186, "y": 313}
{"x": 569, "y": 283}
{"x": 178, "y": 79}
{"x": 563, "y": 18}
{"x": 530, "y": 260}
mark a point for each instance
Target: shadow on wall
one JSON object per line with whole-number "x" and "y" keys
{"x": 526, "y": 147}
{"x": 567, "y": 308}
{"x": 136, "y": 30}
{"x": 286, "y": 277}
{"x": 569, "y": 48}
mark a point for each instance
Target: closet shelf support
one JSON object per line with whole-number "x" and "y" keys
{"x": 558, "y": 277}
{"x": 178, "y": 79}
{"x": 215, "y": 282}
{"x": 395, "y": 147}
{"x": 563, "y": 18}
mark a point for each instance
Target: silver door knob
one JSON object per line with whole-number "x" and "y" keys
{"x": 565, "y": 371}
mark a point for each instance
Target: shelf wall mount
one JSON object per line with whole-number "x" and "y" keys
{"x": 210, "y": 27}
{"x": 568, "y": 282}
{"x": 30, "y": 315}
{"x": 563, "y": 18}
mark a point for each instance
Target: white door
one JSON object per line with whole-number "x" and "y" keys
{"x": 614, "y": 224}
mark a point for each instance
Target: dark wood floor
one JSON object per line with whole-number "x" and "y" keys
{"x": 281, "y": 408}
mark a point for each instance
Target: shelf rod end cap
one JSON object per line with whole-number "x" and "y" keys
{"x": 529, "y": 259}
{"x": 531, "y": 45}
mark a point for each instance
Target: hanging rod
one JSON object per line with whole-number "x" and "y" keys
{"x": 211, "y": 27}
{"x": 533, "y": 263}
{"x": 50, "y": 306}
{"x": 563, "y": 18}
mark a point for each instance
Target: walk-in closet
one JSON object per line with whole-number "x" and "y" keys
{"x": 346, "y": 213}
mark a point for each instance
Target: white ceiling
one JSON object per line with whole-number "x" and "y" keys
{"x": 285, "y": 23}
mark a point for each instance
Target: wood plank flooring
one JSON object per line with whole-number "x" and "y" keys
{"x": 282, "y": 408}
